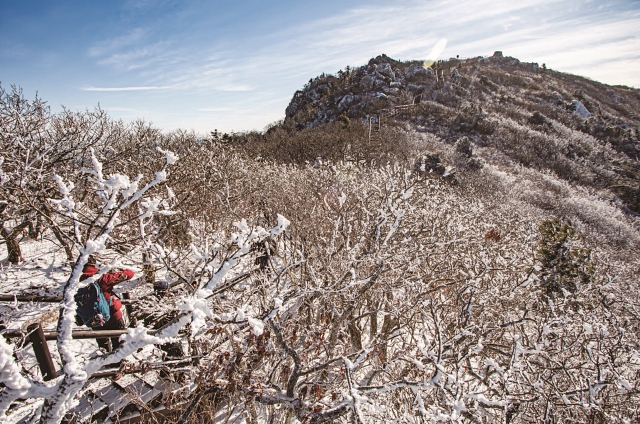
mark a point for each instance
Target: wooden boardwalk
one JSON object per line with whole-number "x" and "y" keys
{"x": 147, "y": 385}
{"x": 128, "y": 399}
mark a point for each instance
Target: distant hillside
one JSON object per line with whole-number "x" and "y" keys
{"x": 585, "y": 132}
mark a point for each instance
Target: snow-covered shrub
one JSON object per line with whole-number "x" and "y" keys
{"x": 395, "y": 305}
{"x": 22, "y": 158}
{"x": 332, "y": 141}
{"x": 384, "y": 299}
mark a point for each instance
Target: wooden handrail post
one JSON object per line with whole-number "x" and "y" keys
{"x": 41, "y": 349}
{"x": 127, "y": 306}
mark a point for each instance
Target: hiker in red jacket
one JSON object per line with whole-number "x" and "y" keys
{"x": 106, "y": 283}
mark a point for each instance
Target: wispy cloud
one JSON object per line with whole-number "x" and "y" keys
{"x": 570, "y": 36}
{"x": 120, "y": 109}
{"x": 215, "y": 109}
{"x": 233, "y": 87}
{"x": 112, "y": 45}
{"x": 141, "y": 88}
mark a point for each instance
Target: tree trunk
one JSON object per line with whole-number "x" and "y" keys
{"x": 14, "y": 254}
{"x": 68, "y": 250}
{"x": 356, "y": 335}
{"x": 373, "y": 329}
{"x": 388, "y": 324}
{"x": 13, "y": 251}
{"x": 148, "y": 270}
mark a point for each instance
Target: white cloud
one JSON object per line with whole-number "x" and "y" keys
{"x": 140, "y": 88}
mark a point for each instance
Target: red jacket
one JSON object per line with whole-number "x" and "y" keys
{"x": 106, "y": 283}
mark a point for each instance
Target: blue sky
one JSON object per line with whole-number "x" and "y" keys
{"x": 234, "y": 65}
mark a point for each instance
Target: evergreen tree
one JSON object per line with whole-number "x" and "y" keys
{"x": 564, "y": 266}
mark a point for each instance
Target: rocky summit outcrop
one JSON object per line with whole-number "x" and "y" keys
{"x": 384, "y": 84}
{"x": 583, "y": 131}
{"x": 380, "y": 84}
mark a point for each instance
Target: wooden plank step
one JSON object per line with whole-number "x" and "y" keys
{"x": 115, "y": 397}
{"x": 150, "y": 377}
{"x": 131, "y": 396}
{"x": 139, "y": 390}
{"x": 124, "y": 397}
{"x": 89, "y": 408}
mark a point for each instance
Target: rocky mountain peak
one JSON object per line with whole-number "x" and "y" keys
{"x": 582, "y": 130}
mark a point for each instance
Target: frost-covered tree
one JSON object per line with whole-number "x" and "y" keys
{"x": 22, "y": 124}
{"x": 91, "y": 231}
{"x": 35, "y": 145}
{"x": 93, "y": 227}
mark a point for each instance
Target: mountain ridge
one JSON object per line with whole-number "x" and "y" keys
{"x": 586, "y": 132}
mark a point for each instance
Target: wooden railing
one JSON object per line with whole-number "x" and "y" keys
{"x": 38, "y": 337}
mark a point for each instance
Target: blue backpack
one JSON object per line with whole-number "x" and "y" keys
{"x": 92, "y": 306}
